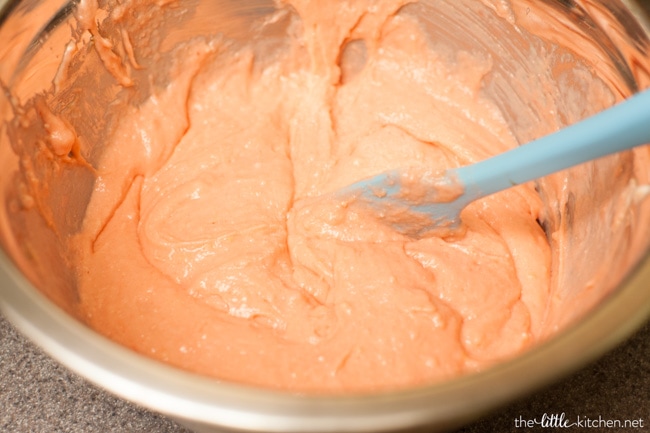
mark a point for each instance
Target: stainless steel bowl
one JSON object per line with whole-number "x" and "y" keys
{"x": 620, "y": 31}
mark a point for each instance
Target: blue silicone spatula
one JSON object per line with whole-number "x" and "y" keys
{"x": 618, "y": 128}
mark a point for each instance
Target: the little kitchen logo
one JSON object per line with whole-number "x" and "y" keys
{"x": 561, "y": 421}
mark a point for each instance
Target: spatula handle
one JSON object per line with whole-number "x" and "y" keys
{"x": 618, "y": 128}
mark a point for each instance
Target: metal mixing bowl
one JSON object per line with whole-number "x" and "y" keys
{"x": 205, "y": 404}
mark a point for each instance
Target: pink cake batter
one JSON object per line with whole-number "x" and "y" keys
{"x": 211, "y": 242}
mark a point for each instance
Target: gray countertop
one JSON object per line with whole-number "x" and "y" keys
{"x": 39, "y": 395}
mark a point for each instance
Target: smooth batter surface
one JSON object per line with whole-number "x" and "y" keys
{"x": 211, "y": 241}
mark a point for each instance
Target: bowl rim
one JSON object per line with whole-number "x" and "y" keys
{"x": 194, "y": 398}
